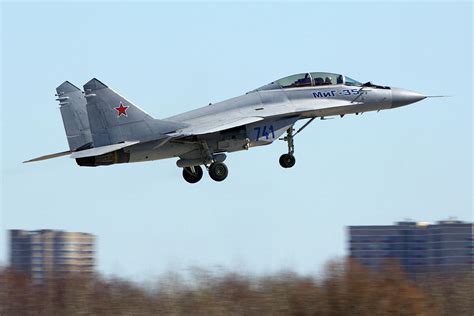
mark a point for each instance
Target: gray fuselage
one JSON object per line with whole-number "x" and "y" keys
{"x": 279, "y": 108}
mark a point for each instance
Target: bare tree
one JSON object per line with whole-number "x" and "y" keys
{"x": 345, "y": 288}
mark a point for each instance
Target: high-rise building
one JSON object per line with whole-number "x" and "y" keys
{"x": 44, "y": 253}
{"x": 447, "y": 246}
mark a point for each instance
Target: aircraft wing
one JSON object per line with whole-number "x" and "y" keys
{"x": 85, "y": 153}
{"x": 198, "y": 129}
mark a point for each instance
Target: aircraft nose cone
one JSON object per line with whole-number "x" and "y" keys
{"x": 401, "y": 97}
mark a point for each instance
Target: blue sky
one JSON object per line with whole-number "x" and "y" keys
{"x": 412, "y": 162}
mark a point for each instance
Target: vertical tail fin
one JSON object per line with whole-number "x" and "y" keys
{"x": 114, "y": 119}
{"x": 74, "y": 114}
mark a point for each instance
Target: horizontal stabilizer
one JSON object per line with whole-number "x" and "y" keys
{"x": 63, "y": 153}
{"x": 97, "y": 151}
{"x": 87, "y": 152}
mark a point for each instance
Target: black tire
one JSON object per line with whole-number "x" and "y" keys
{"x": 190, "y": 176}
{"x": 287, "y": 160}
{"x": 218, "y": 171}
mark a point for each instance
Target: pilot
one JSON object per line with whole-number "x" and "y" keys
{"x": 318, "y": 81}
{"x": 328, "y": 81}
{"x": 306, "y": 81}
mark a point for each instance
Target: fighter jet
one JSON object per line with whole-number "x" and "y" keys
{"x": 104, "y": 128}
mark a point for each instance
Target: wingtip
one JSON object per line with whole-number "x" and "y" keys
{"x": 32, "y": 160}
{"x": 62, "y": 153}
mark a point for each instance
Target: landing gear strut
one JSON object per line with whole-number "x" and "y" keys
{"x": 192, "y": 174}
{"x": 288, "y": 160}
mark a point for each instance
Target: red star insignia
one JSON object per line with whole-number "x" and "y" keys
{"x": 121, "y": 110}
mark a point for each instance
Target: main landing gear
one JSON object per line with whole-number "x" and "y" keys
{"x": 288, "y": 160}
{"x": 217, "y": 171}
{"x": 214, "y": 164}
{"x": 192, "y": 174}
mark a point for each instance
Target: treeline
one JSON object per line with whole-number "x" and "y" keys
{"x": 345, "y": 288}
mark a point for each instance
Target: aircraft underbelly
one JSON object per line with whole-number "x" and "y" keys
{"x": 153, "y": 151}
{"x": 267, "y": 131}
{"x": 231, "y": 145}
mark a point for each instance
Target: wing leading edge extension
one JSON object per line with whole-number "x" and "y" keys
{"x": 213, "y": 127}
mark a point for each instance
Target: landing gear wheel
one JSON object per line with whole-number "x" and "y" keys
{"x": 218, "y": 171}
{"x": 287, "y": 160}
{"x": 192, "y": 174}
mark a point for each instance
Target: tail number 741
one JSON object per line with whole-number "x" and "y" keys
{"x": 264, "y": 131}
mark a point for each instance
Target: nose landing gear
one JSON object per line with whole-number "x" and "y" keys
{"x": 288, "y": 160}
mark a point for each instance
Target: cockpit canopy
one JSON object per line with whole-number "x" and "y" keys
{"x": 310, "y": 79}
